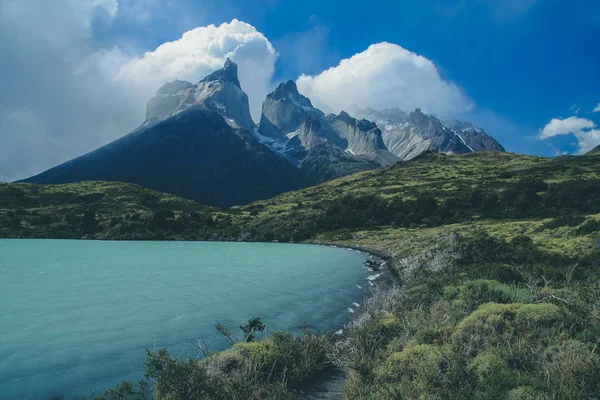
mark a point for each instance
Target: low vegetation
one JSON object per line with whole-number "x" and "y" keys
{"x": 495, "y": 257}
{"x": 518, "y": 322}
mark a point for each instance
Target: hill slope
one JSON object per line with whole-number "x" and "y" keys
{"x": 434, "y": 190}
{"x": 429, "y": 191}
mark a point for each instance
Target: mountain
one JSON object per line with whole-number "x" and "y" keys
{"x": 219, "y": 92}
{"x": 407, "y": 135}
{"x": 594, "y": 151}
{"x": 196, "y": 143}
{"x": 322, "y": 146}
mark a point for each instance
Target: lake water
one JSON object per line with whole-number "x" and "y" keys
{"x": 77, "y": 316}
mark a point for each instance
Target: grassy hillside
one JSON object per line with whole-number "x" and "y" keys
{"x": 496, "y": 263}
{"x": 434, "y": 190}
{"x": 101, "y": 210}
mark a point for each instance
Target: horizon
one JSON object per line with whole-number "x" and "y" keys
{"x": 82, "y": 72}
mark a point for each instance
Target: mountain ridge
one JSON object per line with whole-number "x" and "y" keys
{"x": 192, "y": 148}
{"x": 199, "y": 141}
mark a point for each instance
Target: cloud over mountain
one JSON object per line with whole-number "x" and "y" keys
{"x": 582, "y": 128}
{"x": 196, "y": 54}
{"x": 383, "y": 76}
{"x": 66, "y": 95}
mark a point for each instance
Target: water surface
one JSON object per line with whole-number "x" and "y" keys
{"x": 77, "y": 316}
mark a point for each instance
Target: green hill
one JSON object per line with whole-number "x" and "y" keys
{"x": 114, "y": 211}
{"x": 431, "y": 191}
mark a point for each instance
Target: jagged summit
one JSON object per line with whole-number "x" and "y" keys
{"x": 407, "y": 135}
{"x": 174, "y": 87}
{"x": 284, "y": 110}
{"x": 287, "y": 87}
{"x": 197, "y": 142}
{"x": 337, "y": 144}
{"x": 219, "y": 92}
{"x": 418, "y": 117}
{"x": 229, "y": 73}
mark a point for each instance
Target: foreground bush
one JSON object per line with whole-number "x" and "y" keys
{"x": 272, "y": 368}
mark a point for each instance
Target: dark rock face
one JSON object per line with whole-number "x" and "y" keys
{"x": 229, "y": 73}
{"x": 325, "y": 162}
{"x": 195, "y": 154}
{"x": 475, "y": 137}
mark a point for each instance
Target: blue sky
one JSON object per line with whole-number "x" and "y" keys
{"x": 519, "y": 63}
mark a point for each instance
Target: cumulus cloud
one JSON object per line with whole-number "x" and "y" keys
{"x": 197, "y": 53}
{"x": 64, "y": 97}
{"x": 596, "y": 109}
{"x": 383, "y": 76}
{"x": 565, "y": 126}
{"x": 581, "y": 128}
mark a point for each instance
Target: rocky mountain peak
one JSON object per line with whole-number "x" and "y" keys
{"x": 284, "y": 110}
{"x": 345, "y": 117}
{"x": 287, "y": 87}
{"x": 173, "y": 87}
{"x": 229, "y": 73}
{"x": 418, "y": 117}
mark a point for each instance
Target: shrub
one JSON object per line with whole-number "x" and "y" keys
{"x": 573, "y": 370}
{"x": 496, "y": 324}
{"x": 526, "y": 393}
{"x": 416, "y": 372}
{"x": 473, "y": 293}
{"x": 492, "y": 376}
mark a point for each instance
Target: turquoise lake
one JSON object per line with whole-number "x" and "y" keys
{"x": 77, "y": 316}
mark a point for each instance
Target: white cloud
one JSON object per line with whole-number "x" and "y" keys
{"x": 197, "y": 53}
{"x": 596, "y": 109}
{"x": 581, "y": 128}
{"x": 565, "y": 126}
{"x": 111, "y": 6}
{"x": 588, "y": 140}
{"x": 383, "y": 76}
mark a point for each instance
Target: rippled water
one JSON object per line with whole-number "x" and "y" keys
{"x": 77, "y": 316}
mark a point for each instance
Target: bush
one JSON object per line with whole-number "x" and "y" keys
{"x": 496, "y": 324}
{"x": 492, "y": 375}
{"x": 471, "y": 294}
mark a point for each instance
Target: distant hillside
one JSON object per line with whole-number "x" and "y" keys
{"x": 594, "y": 151}
{"x": 97, "y": 209}
{"x": 431, "y": 190}
{"x": 434, "y": 190}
